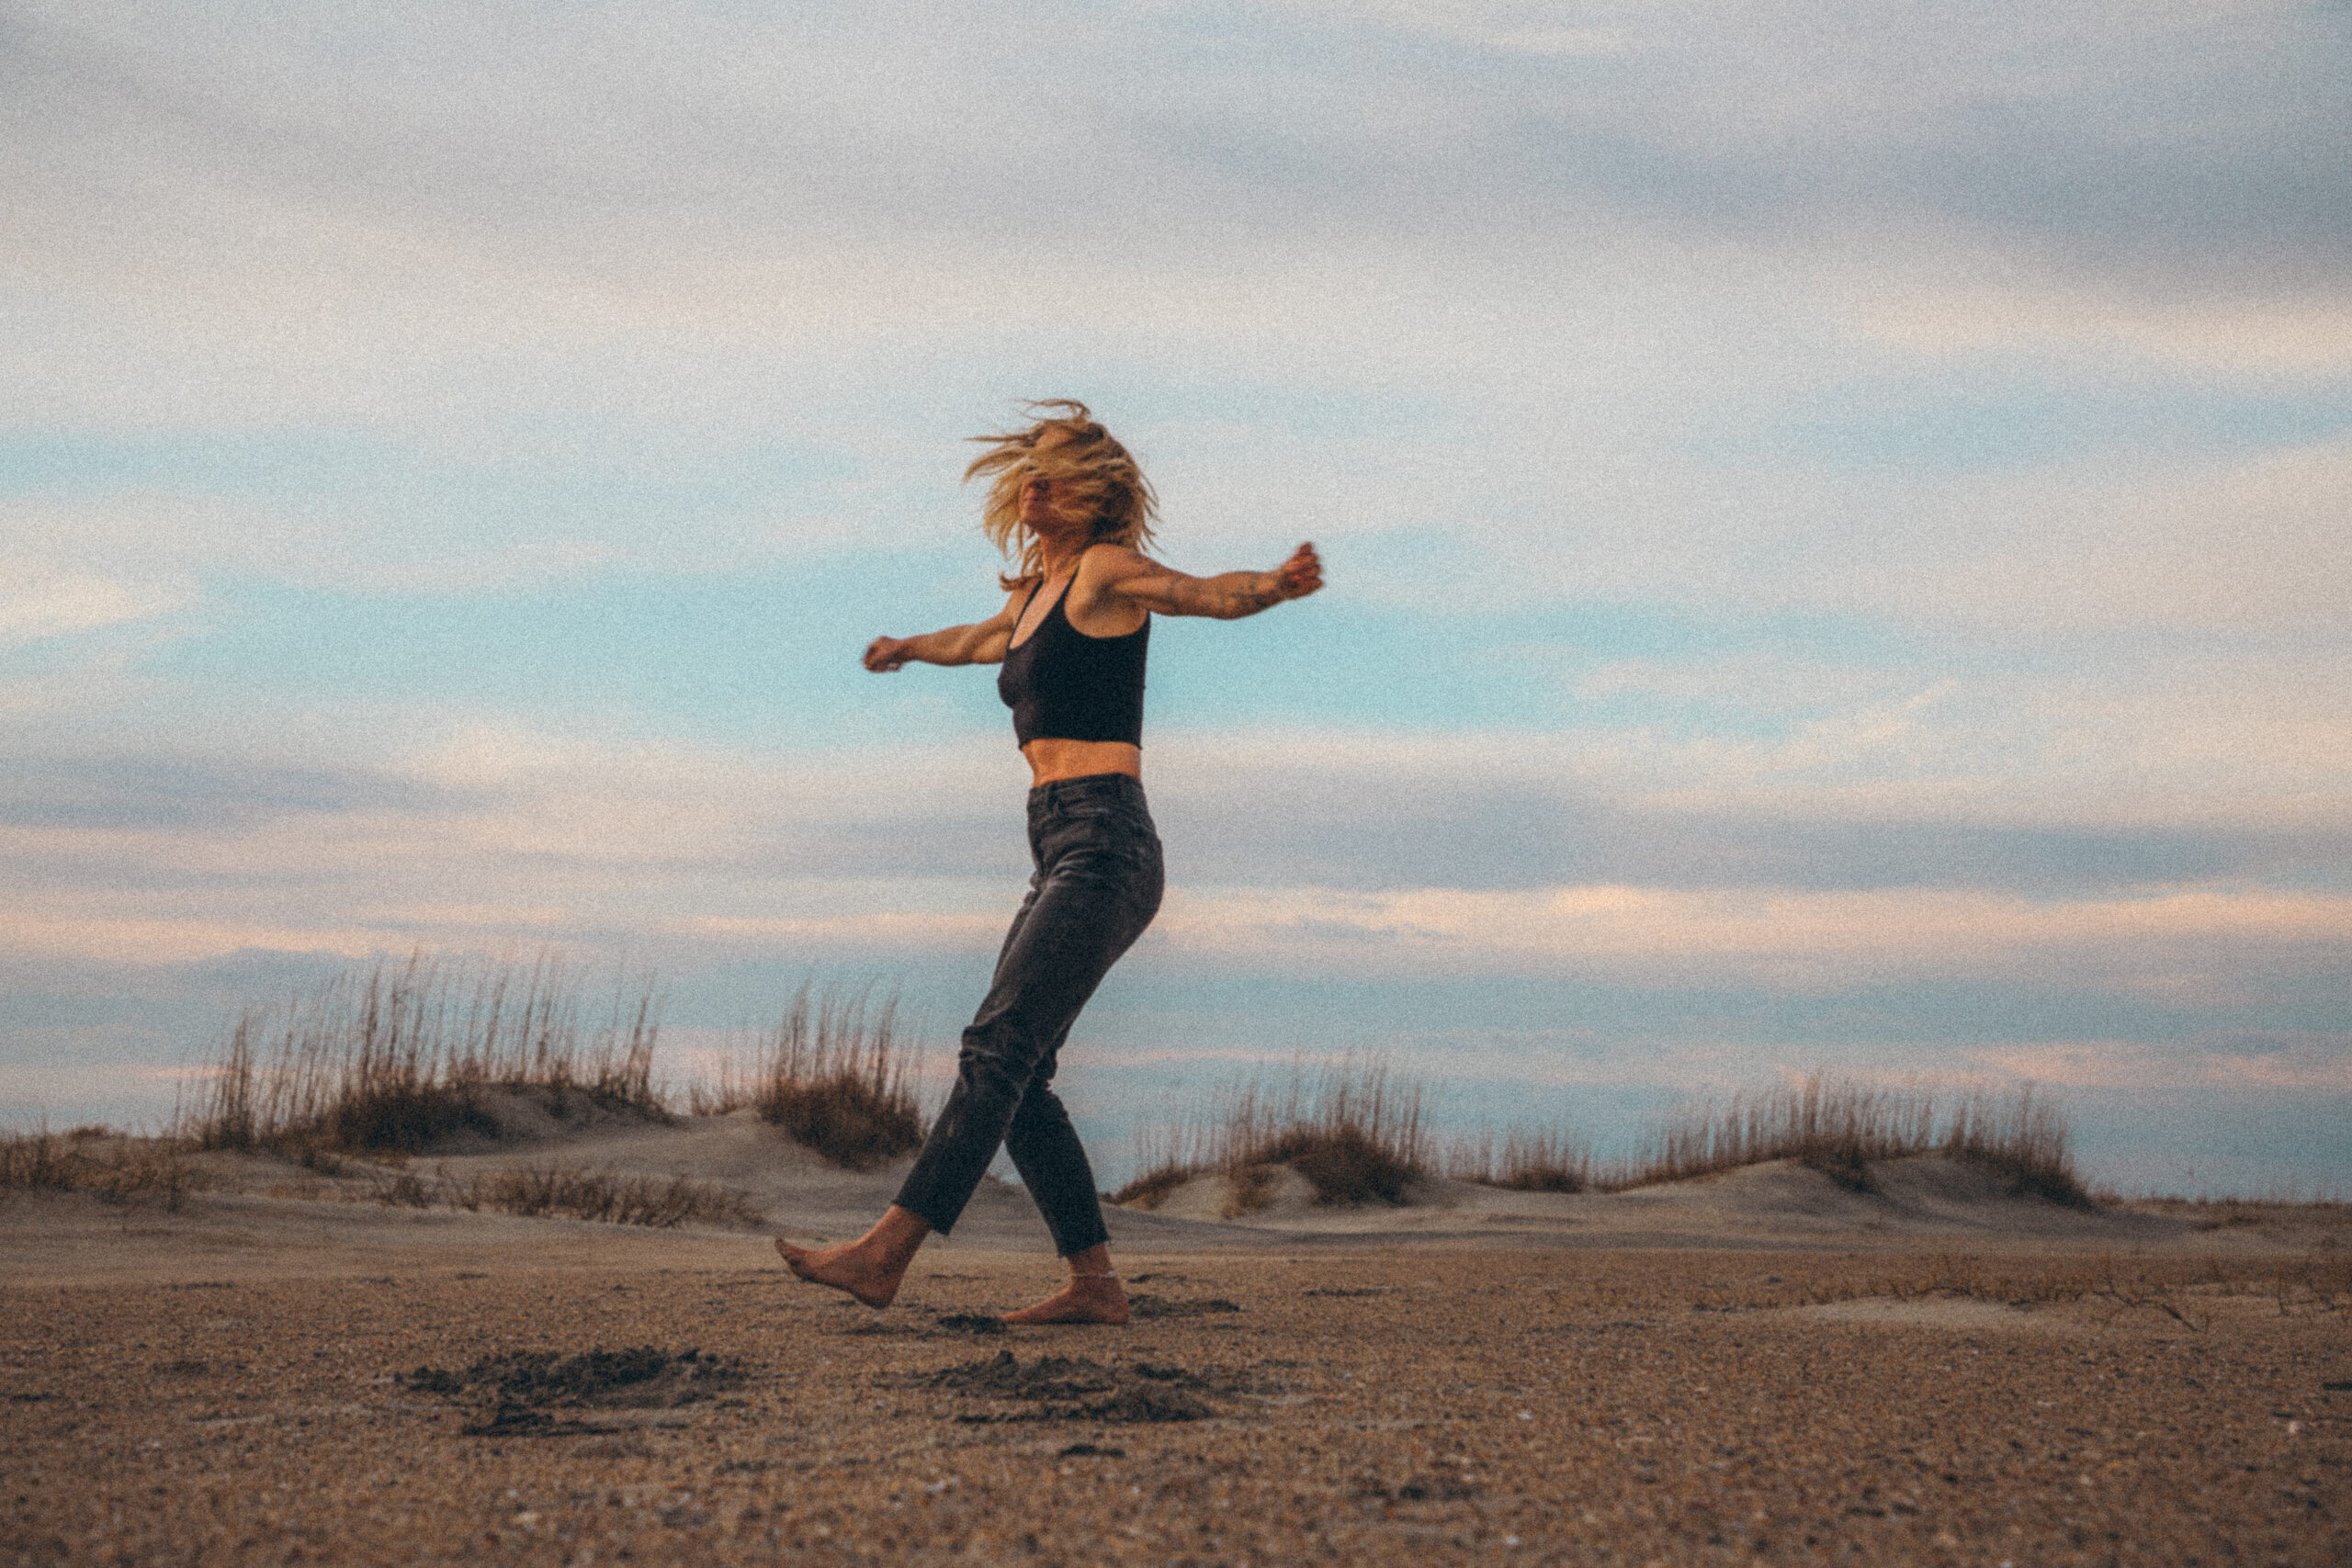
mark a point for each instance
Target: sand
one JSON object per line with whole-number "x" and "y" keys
{"x": 1743, "y": 1372}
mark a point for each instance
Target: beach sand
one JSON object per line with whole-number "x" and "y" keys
{"x": 1742, "y": 1372}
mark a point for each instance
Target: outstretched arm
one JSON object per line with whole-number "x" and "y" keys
{"x": 982, "y": 642}
{"x": 1226, "y": 597}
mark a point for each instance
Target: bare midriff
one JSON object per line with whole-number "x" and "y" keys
{"x": 1051, "y": 760}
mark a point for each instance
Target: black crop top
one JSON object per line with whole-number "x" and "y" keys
{"x": 1065, "y": 685}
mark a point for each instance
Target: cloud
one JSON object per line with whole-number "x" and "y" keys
{"x": 2287, "y": 337}
{"x": 131, "y": 793}
{"x": 798, "y": 179}
{"x": 2011, "y": 788}
{"x": 33, "y": 608}
{"x": 1515, "y": 26}
{"x": 1305, "y": 854}
{"x": 2112, "y": 544}
{"x": 371, "y": 516}
{"x": 559, "y": 296}
{"x": 1769, "y": 939}
{"x": 2013, "y": 784}
{"x": 478, "y": 837}
{"x": 2307, "y": 1064}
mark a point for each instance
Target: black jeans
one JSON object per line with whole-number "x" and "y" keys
{"x": 1097, "y": 887}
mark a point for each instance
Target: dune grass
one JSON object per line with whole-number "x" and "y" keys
{"x": 122, "y": 1171}
{"x": 2279, "y": 1212}
{"x": 832, "y": 1076}
{"x": 1150, "y": 1187}
{"x": 573, "y": 1191}
{"x": 132, "y": 1172}
{"x": 1355, "y": 1134}
{"x": 1358, "y": 1138}
{"x": 401, "y": 1058}
{"x": 1527, "y": 1160}
{"x": 1842, "y": 1126}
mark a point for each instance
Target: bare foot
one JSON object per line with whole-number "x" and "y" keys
{"x": 869, "y": 1267}
{"x": 853, "y": 1267}
{"x": 1081, "y": 1301}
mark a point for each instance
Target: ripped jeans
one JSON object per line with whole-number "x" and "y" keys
{"x": 1097, "y": 885}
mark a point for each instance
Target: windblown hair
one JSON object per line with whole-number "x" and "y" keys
{"x": 1088, "y": 469}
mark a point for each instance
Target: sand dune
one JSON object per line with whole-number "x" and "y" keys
{"x": 263, "y": 1216}
{"x": 1776, "y": 1203}
{"x": 1780, "y": 1202}
{"x": 1924, "y": 1198}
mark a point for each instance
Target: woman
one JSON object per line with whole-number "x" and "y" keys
{"x": 1069, "y": 506}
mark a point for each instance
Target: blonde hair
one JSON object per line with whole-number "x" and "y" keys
{"x": 1087, "y": 466}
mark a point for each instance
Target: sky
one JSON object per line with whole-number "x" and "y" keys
{"x": 1838, "y": 519}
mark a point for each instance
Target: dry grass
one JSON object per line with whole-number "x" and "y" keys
{"x": 2324, "y": 1216}
{"x": 1841, "y": 1127}
{"x": 401, "y": 1057}
{"x": 124, "y": 1171}
{"x": 132, "y": 1172}
{"x": 1358, "y": 1138}
{"x": 1352, "y": 1132}
{"x": 570, "y": 1191}
{"x": 1524, "y": 1162}
{"x": 1152, "y": 1189}
{"x": 832, "y": 1078}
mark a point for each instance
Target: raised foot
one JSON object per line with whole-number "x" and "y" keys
{"x": 851, "y": 1267}
{"x": 1081, "y": 1301}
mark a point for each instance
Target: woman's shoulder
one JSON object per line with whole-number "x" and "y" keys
{"x": 1101, "y": 560}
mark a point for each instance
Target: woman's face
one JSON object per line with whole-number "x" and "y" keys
{"x": 1038, "y": 510}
